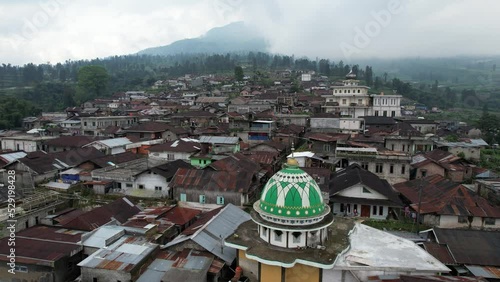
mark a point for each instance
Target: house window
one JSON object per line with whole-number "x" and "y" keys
{"x": 489, "y": 221}
{"x": 141, "y": 186}
{"x": 364, "y": 166}
{"x": 380, "y": 210}
{"x": 392, "y": 147}
{"x": 157, "y": 188}
{"x": 462, "y": 219}
{"x": 391, "y": 168}
{"x": 393, "y": 113}
{"x": 296, "y": 237}
{"x": 20, "y": 268}
{"x": 129, "y": 185}
{"x": 385, "y": 113}
{"x": 183, "y": 197}
{"x": 326, "y": 148}
{"x": 366, "y": 191}
{"x": 93, "y": 123}
{"x": 141, "y": 135}
{"x": 403, "y": 148}
{"x": 374, "y": 210}
{"x": 170, "y": 157}
{"x": 403, "y": 169}
{"x": 220, "y": 200}
{"x": 376, "y": 113}
{"x": 379, "y": 168}
{"x": 344, "y": 101}
{"x": 278, "y": 235}
{"x": 341, "y": 207}
{"x": 202, "y": 199}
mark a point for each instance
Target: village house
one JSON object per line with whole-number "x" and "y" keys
{"x": 39, "y": 167}
{"x": 65, "y": 143}
{"x": 155, "y": 181}
{"x": 469, "y": 253}
{"x": 209, "y": 232}
{"x": 469, "y": 149}
{"x": 43, "y": 253}
{"x": 27, "y": 143}
{"x": 215, "y": 187}
{"x": 110, "y": 146}
{"x": 389, "y": 165}
{"x": 119, "y": 210}
{"x": 154, "y": 130}
{"x": 181, "y": 149}
{"x": 424, "y": 126}
{"x": 193, "y": 119}
{"x": 120, "y": 261}
{"x": 327, "y": 123}
{"x": 94, "y": 126}
{"x": 355, "y": 191}
{"x": 404, "y": 138}
{"x": 447, "y": 204}
{"x": 442, "y": 163}
{"x": 323, "y": 144}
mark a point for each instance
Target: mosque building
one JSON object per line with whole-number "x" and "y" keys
{"x": 294, "y": 236}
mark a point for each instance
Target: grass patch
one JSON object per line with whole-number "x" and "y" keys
{"x": 395, "y": 225}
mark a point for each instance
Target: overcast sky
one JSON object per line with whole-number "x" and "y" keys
{"x": 57, "y": 30}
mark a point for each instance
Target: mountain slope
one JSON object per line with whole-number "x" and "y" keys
{"x": 234, "y": 37}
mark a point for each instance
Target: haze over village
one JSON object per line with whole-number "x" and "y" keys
{"x": 233, "y": 140}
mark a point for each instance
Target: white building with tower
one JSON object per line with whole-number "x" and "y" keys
{"x": 353, "y": 100}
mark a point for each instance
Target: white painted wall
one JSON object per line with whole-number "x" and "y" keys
{"x": 451, "y": 221}
{"x": 25, "y": 145}
{"x": 150, "y": 180}
{"x": 164, "y": 155}
{"x": 357, "y": 192}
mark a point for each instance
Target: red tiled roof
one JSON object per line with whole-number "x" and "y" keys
{"x": 177, "y": 146}
{"x": 70, "y": 141}
{"x": 121, "y": 210}
{"x": 35, "y": 251}
{"x": 202, "y": 220}
{"x": 444, "y": 197}
{"x": 207, "y": 180}
{"x": 439, "y": 251}
{"x": 52, "y": 233}
{"x": 151, "y": 126}
{"x": 180, "y": 216}
{"x": 327, "y": 137}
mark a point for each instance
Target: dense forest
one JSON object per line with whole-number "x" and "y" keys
{"x": 444, "y": 83}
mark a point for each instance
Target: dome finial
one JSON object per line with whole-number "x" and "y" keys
{"x": 292, "y": 161}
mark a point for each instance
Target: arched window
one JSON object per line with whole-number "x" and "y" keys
{"x": 296, "y": 237}
{"x": 278, "y": 235}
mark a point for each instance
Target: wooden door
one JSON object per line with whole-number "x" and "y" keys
{"x": 365, "y": 211}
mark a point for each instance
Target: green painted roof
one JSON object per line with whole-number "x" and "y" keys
{"x": 291, "y": 192}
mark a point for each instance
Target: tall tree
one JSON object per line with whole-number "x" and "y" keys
{"x": 92, "y": 83}
{"x": 238, "y": 73}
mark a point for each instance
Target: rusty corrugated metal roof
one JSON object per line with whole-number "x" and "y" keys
{"x": 444, "y": 197}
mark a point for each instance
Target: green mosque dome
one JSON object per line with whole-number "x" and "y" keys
{"x": 292, "y": 193}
